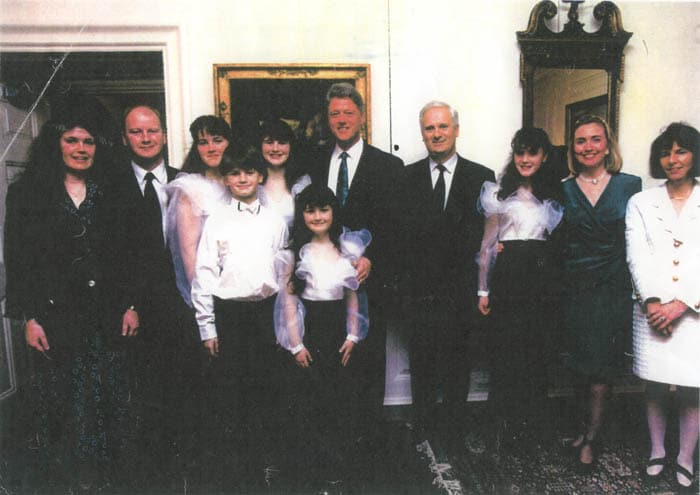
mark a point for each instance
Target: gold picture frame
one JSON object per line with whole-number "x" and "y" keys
{"x": 247, "y": 94}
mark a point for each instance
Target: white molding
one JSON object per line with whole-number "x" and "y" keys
{"x": 9, "y": 357}
{"x": 166, "y": 39}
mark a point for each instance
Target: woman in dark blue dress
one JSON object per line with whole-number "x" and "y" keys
{"x": 597, "y": 304}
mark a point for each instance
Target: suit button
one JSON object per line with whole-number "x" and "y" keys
{"x": 676, "y": 262}
{"x": 675, "y": 278}
{"x": 697, "y": 306}
{"x": 676, "y": 243}
{"x": 91, "y": 283}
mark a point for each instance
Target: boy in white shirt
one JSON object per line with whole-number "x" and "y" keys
{"x": 233, "y": 293}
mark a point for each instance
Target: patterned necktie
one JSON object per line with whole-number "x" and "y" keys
{"x": 341, "y": 187}
{"x": 439, "y": 191}
{"x": 153, "y": 212}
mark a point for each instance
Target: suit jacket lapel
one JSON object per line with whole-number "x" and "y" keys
{"x": 426, "y": 185}
{"x": 455, "y": 206}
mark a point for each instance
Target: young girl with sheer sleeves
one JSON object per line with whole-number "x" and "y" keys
{"x": 320, "y": 319}
{"x": 516, "y": 275}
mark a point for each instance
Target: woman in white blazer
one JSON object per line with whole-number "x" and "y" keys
{"x": 663, "y": 252}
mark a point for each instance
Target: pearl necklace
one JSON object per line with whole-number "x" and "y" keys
{"x": 596, "y": 180}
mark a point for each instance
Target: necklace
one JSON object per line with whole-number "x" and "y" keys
{"x": 594, "y": 180}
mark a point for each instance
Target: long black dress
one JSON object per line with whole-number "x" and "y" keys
{"x": 58, "y": 273}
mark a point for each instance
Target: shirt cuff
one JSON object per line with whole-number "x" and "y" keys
{"x": 208, "y": 332}
{"x": 352, "y": 338}
{"x": 482, "y": 293}
{"x": 296, "y": 349}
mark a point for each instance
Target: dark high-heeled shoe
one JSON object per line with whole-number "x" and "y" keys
{"x": 657, "y": 461}
{"x": 692, "y": 488}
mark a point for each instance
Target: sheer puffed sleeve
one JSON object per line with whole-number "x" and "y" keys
{"x": 490, "y": 206}
{"x": 352, "y": 247}
{"x": 300, "y": 185}
{"x": 552, "y": 213}
{"x": 289, "y": 310}
{"x": 192, "y": 197}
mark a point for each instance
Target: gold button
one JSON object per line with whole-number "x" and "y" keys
{"x": 675, "y": 278}
{"x": 676, "y": 262}
{"x": 677, "y": 243}
{"x": 697, "y": 306}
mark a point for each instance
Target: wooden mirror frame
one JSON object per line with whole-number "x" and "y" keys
{"x": 573, "y": 48}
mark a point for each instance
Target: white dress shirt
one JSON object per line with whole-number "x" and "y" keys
{"x": 354, "y": 153}
{"x": 450, "y": 166}
{"x": 159, "y": 184}
{"x": 236, "y": 259}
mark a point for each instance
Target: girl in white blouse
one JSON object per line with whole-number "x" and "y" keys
{"x": 516, "y": 274}
{"x": 320, "y": 319}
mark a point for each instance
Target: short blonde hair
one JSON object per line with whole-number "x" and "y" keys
{"x": 613, "y": 160}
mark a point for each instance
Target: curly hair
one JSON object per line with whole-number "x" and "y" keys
{"x": 544, "y": 182}
{"x": 46, "y": 169}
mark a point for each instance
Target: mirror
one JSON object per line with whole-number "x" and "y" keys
{"x": 573, "y": 72}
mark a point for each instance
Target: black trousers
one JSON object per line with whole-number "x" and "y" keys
{"x": 245, "y": 384}
{"x": 438, "y": 359}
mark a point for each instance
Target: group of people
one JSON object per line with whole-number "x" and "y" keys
{"x": 283, "y": 270}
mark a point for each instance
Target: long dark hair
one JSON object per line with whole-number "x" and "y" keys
{"x": 46, "y": 170}
{"x": 544, "y": 182}
{"x": 213, "y": 125}
{"x": 279, "y": 130}
{"x": 313, "y": 196}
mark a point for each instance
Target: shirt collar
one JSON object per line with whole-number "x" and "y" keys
{"x": 240, "y": 206}
{"x": 159, "y": 171}
{"x": 354, "y": 151}
{"x": 449, "y": 165}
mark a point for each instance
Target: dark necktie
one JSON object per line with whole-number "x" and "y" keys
{"x": 153, "y": 213}
{"x": 439, "y": 191}
{"x": 341, "y": 187}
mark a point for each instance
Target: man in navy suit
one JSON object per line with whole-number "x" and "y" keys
{"x": 441, "y": 235}
{"x": 160, "y": 358}
{"x": 363, "y": 177}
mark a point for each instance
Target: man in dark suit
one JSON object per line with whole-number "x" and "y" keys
{"x": 441, "y": 235}
{"x": 137, "y": 189}
{"x": 363, "y": 178}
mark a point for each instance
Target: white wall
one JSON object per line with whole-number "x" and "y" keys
{"x": 462, "y": 52}
{"x": 662, "y": 72}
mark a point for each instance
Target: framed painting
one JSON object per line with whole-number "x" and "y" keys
{"x": 249, "y": 94}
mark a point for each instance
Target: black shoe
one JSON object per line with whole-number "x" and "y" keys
{"x": 331, "y": 487}
{"x": 270, "y": 475}
{"x": 88, "y": 477}
{"x": 692, "y": 488}
{"x": 651, "y": 478}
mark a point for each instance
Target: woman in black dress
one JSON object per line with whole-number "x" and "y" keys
{"x": 597, "y": 297}
{"x": 60, "y": 283}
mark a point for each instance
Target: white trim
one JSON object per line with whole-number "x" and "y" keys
{"x": 166, "y": 39}
{"x": 9, "y": 355}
